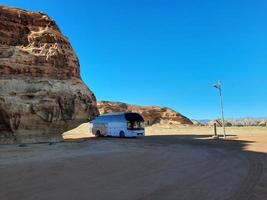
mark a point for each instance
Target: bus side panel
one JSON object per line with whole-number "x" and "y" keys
{"x": 110, "y": 129}
{"x": 115, "y": 128}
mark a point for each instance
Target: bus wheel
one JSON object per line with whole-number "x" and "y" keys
{"x": 122, "y": 135}
{"x": 98, "y": 134}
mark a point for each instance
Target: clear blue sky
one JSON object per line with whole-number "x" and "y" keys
{"x": 169, "y": 53}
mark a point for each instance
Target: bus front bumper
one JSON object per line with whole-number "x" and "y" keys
{"x": 139, "y": 133}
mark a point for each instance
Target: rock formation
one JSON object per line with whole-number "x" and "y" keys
{"x": 240, "y": 122}
{"x": 41, "y": 92}
{"x": 263, "y": 123}
{"x": 151, "y": 114}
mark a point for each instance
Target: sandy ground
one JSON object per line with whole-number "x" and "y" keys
{"x": 256, "y": 136}
{"x": 170, "y": 163}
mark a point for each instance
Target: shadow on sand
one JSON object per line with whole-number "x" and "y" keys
{"x": 182, "y": 139}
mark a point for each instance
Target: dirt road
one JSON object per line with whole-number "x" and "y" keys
{"x": 156, "y": 167}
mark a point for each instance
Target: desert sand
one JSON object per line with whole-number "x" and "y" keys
{"x": 171, "y": 162}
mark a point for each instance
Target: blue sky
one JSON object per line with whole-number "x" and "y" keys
{"x": 169, "y": 53}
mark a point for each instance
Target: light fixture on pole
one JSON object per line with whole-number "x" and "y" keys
{"x": 219, "y": 87}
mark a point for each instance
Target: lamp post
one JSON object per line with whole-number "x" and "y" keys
{"x": 219, "y": 87}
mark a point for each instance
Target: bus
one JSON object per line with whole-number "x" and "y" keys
{"x": 122, "y": 125}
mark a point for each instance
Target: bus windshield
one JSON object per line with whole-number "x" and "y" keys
{"x": 135, "y": 125}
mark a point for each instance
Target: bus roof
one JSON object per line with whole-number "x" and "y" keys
{"x": 120, "y": 116}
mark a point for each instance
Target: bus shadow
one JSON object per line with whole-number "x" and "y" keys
{"x": 231, "y": 142}
{"x": 202, "y": 140}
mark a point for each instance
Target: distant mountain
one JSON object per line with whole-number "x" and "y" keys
{"x": 204, "y": 121}
{"x": 246, "y": 121}
{"x": 151, "y": 114}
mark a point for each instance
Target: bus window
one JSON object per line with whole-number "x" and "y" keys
{"x": 135, "y": 125}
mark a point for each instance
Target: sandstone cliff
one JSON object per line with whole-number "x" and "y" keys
{"x": 151, "y": 114}
{"x": 41, "y": 93}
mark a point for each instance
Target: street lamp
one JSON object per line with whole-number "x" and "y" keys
{"x": 218, "y": 85}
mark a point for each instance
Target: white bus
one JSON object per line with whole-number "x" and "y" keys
{"x": 119, "y": 125}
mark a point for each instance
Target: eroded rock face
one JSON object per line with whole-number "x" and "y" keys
{"x": 41, "y": 93}
{"x": 151, "y": 114}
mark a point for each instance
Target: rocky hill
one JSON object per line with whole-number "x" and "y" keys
{"x": 239, "y": 122}
{"x": 41, "y": 93}
{"x": 247, "y": 121}
{"x": 151, "y": 114}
